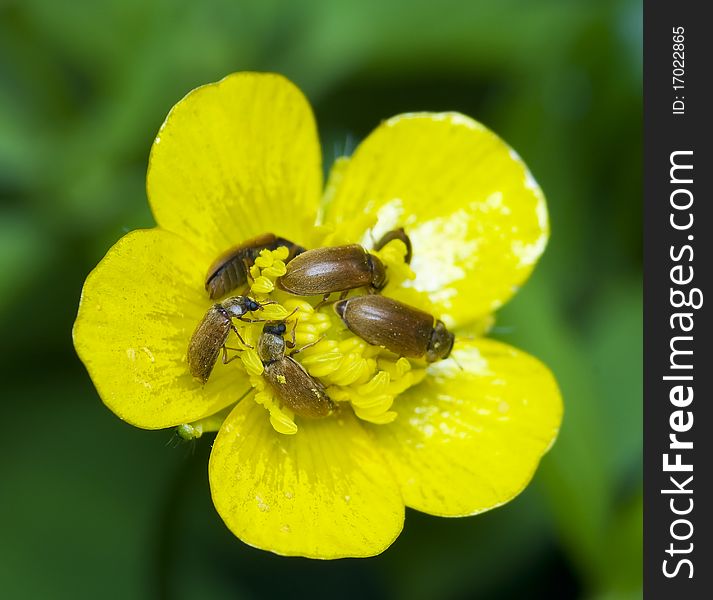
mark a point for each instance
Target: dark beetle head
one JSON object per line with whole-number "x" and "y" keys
{"x": 340, "y": 307}
{"x": 275, "y": 328}
{"x": 440, "y": 344}
{"x": 271, "y": 346}
{"x": 378, "y": 272}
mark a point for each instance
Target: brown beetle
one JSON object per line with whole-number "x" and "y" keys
{"x": 396, "y": 326}
{"x": 209, "y": 337}
{"x": 335, "y": 269}
{"x": 295, "y": 388}
{"x": 230, "y": 270}
{"x": 396, "y": 234}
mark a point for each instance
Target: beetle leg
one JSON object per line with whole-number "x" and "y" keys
{"x": 307, "y": 346}
{"x": 291, "y": 344}
{"x": 332, "y": 301}
{"x": 323, "y": 301}
{"x": 226, "y": 360}
{"x": 266, "y": 302}
{"x": 326, "y": 301}
{"x": 242, "y": 341}
{"x": 396, "y": 234}
{"x": 246, "y": 320}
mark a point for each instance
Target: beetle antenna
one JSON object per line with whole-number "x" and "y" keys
{"x": 326, "y": 301}
{"x": 317, "y": 341}
{"x": 470, "y": 338}
{"x": 453, "y": 358}
{"x": 292, "y": 313}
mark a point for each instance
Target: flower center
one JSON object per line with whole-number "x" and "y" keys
{"x": 367, "y": 377}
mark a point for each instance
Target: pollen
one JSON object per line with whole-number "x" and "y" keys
{"x": 369, "y": 378}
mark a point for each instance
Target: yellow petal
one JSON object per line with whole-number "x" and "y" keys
{"x": 235, "y": 159}
{"x": 138, "y": 310}
{"x": 325, "y": 492}
{"x": 476, "y": 218}
{"x": 467, "y": 441}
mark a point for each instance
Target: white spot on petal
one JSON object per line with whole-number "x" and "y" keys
{"x": 261, "y": 504}
{"x": 388, "y": 217}
{"x": 443, "y": 245}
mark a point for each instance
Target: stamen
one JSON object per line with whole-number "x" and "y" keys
{"x": 262, "y": 285}
{"x": 281, "y": 418}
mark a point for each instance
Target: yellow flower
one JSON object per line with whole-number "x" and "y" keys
{"x": 457, "y": 437}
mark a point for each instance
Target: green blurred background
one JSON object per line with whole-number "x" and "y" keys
{"x": 92, "y": 508}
